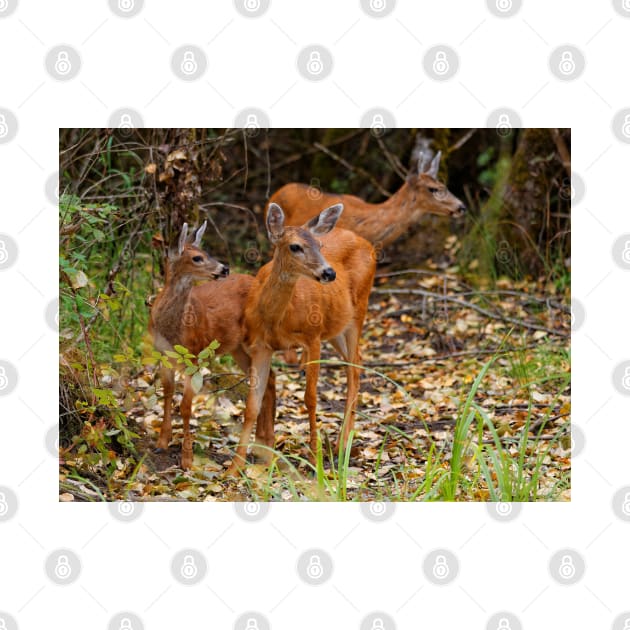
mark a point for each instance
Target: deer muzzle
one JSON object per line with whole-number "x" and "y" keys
{"x": 328, "y": 275}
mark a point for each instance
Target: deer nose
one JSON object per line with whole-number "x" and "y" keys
{"x": 461, "y": 209}
{"x": 225, "y": 270}
{"x": 328, "y": 275}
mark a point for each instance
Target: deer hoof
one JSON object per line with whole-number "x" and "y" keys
{"x": 187, "y": 461}
{"x": 233, "y": 471}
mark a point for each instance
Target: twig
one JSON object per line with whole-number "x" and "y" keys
{"x": 565, "y": 156}
{"x": 465, "y": 304}
{"x": 462, "y": 141}
{"x": 394, "y": 162}
{"x": 450, "y": 355}
{"x": 353, "y": 169}
{"x": 416, "y": 271}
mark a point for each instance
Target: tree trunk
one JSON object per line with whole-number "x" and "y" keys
{"x": 525, "y": 220}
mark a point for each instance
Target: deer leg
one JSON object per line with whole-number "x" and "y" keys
{"x": 185, "y": 408}
{"x": 310, "y": 394}
{"x": 258, "y": 378}
{"x": 267, "y": 416}
{"x": 167, "y": 377}
{"x": 353, "y": 375}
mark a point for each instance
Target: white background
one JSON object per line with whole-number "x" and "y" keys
{"x": 378, "y": 63}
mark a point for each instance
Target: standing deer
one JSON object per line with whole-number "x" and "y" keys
{"x": 194, "y": 316}
{"x": 379, "y": 223}
{"x": 301, "y": 298}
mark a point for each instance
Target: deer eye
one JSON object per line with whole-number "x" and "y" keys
{"x": 197, "y": 259}
{"x": 433, "y": 190}
{"x": 294, "y": 247}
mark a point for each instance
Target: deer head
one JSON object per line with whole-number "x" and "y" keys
{"x": 428, "y": 194}
{"x": 190, "y": 262}
{"x": 298, "y": 251}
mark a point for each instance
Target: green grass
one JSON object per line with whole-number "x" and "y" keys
{"x": 476, "y": 464}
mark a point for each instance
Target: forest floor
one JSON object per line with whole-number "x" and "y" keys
{"x": 427, "y": 428}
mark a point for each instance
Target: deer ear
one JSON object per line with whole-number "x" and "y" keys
{"x": 199, "y": 234}
{"x": 434, "y": 167}
{"x": 325, "y": 220}
{"x": 275, "y": 222}
{"x": 423, "y": 162}
{"x": 183, "y": 237}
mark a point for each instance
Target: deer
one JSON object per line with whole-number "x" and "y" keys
{"x": 315, "y": 288}
{"x": 379, "y": 223}
{"x": 193, "y": 316}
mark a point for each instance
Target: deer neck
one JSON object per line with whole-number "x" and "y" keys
{"x": 277, "y": 291}
{"x": 171, "y": 308}
{"x": 383, "y": 223}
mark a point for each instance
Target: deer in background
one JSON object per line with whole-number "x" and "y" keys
{"x": 193, "y": 316}
{"x": 315, "y": 288}
{"x": 379, "y": 223}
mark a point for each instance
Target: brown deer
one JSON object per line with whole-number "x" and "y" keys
{"x": 193, "y": 316}
{"x": 379, "y": 223}
{"x": 302, "y": 298}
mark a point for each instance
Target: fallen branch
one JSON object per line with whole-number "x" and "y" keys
{"x": 474, "y": 307}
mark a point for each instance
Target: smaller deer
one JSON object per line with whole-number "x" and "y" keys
{"x": 194, "y": 316}
{"x": 300, "y": 299}
{"x": 379, "y": 223}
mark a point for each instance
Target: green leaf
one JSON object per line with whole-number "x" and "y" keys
{"x": 181, "y": 349}
{"x": 173, "y": 355}
{"x": 197, "y": 382}
{"x": 206, "y": 352}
